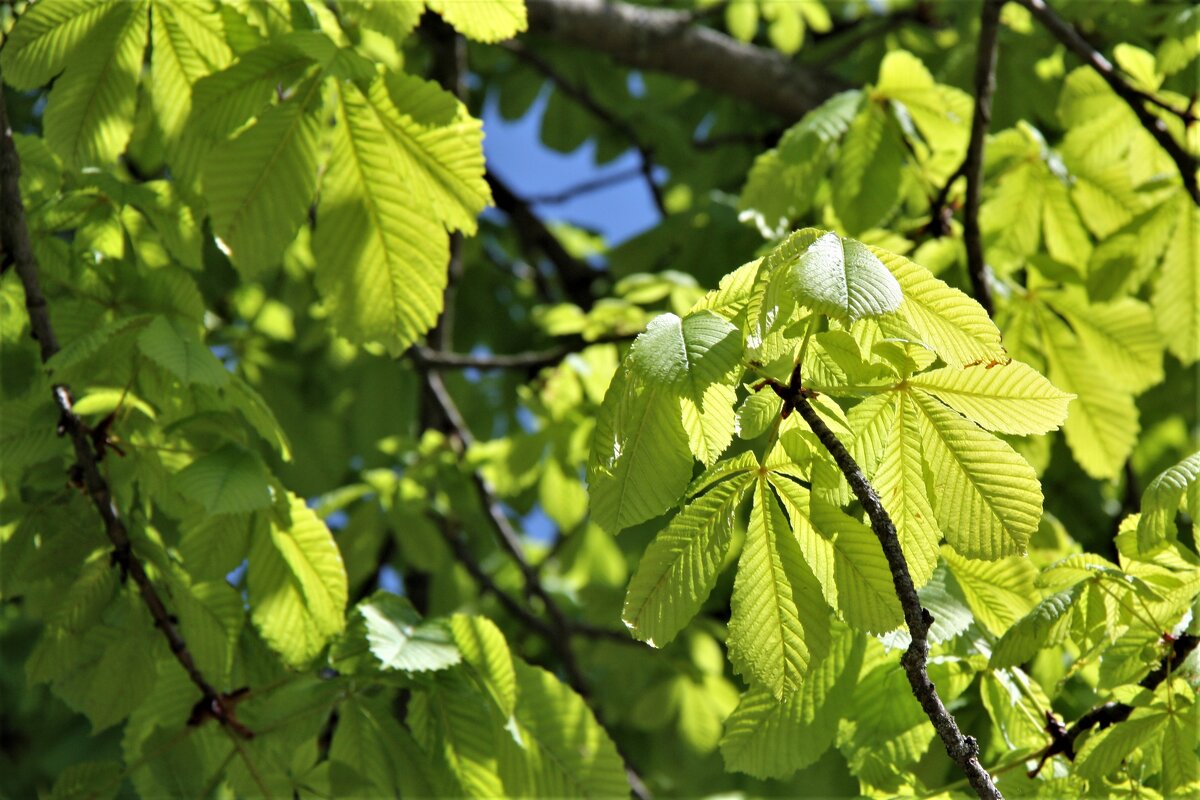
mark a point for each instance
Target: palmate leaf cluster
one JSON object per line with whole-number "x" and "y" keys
{"x": 246, "y": 214}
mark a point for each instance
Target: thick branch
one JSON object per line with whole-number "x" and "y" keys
{"x": 18, "y": 248}
{"x": 1065, "y": 32}
{"x": 576, "y": 275}
{"x": 665, "y": 40}
{"x": 985, "y": 87}
{"x": 962, "y": 749}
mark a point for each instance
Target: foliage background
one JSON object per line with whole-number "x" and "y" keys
{"x": 265, "y": 229}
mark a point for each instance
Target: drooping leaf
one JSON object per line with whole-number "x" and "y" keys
{"x": 1102, "y": 422}
{"x": 259, "y": 187}
{"x": 866, "y": 176}
{"x": 1177, "y": 293}
{"x": 678, "y": 570}
{"x": 297, "y": 583}
{"x": 769, "y": 739}
{"x": 903, "y": 486}
{"x": 640, "y": 461}
{"x": 381, "y": 259}
{"x": 998, "y": 592}
{"x": 566, "y": 753}
{"x": 89, "y": 117}
{"x": 1044, "y": 625}
{"x": 779, "y": 628}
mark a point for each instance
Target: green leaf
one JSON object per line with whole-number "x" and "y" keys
{"x": 458, "y": 722}
{"x": 1160, "y": 502}
{"x": 903, "y": 486}
{"x": 679, "y": 568}
{"x": 1177, "y": 293}
{"x": 954, "y": 325}
{"x": 1180, "y": 762}
{"x": 709, "y": 421}
{"x": 484, "y": 647}
{"x": 381, "y": 259}
{"x": 987, "y": 498}
{"x": 741, "y": 19}
{"x": 211, "y": 617}
{"x": 1102, "y": 423}
{"x": 91, "y": 780}
{"x": 483, "y": 20}
{"x": 259, "y": 186}
{"x": 565, "y": 752}
{"x": 89, "y": 117}
{"x": 379, "y": 754}
{"x": 1121, "y": 336}
{"x": 1017, "y": 705}
{"x": 942, "y": 113}
{"x": 843, "y": 278}
{"x": 443, "y": 159}
{"x": 866, "y": 176}
{"x": 779, "y": 628}
{"x": 48, "y": 35}
{"x": 402, "y": 641}
{"x": 688, "y": 354}
{"x": 998, "y": 592}
{"x": 1009, "y": 398}
{"x": 846, "y": 558}
{"x": 640, "y": 462}
{"x": 173, "y": 346}
{"x": 187, "y": 45}
{"x": 1105, "y": 751}
{"x": 768, "y": 739}
{"x": 230, "y": 480}
{"x": 297, "y": 583}
{"x": 1045, "y": 625}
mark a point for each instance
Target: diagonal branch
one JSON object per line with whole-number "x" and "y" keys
{"x": 666, "y": 40}
{"x": 1063, "y": 739}
{"x": 985, "y": 87}
{"x": 964, "y": 750}
{"x": 18, "y": 248}
{"x": 585, "y": 187}
{"x": 1136, "y": 99}
{"x": 585, "y": 100}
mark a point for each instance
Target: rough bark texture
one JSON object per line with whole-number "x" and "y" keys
{"x": 668, "y": 41}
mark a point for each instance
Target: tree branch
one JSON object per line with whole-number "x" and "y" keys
{"x": 531, "y": 360}
{"x": 584, "y": 99}
{"x": 576, "y": 275}
{"x": 18, "y": 248}
{"x": 664, "y": 40}
{"x": 1063, "y": 739}
{"x": 560, "y": 629}
{"x": 985, "y": 88}
{"x": 1136, "y": 99}
{"x": 585, "y": 187}
{"x": 964, "y": 750}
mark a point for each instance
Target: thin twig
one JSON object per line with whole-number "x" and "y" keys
{"x": 985, "y": 87}
{"x": 584, "y": 99}
{"x": 1136, "y": 99}
{"x": 585, "y": 187}
{"x": 17, "y": 247}
{"x": 561, "y": 629}
{"x": 964, "y": 750}
{"x": 1102, "y": 716}
{"x": 530, "y": 360}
